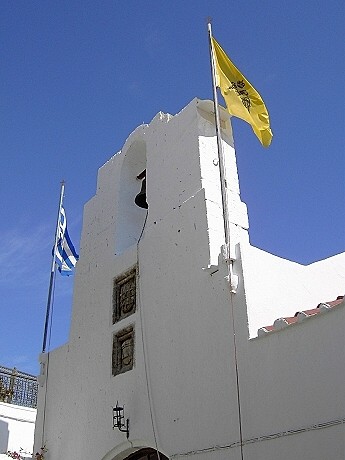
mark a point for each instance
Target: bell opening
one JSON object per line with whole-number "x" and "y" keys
{"x": 140, "y": 199}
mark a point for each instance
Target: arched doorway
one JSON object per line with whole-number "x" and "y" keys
{"x": 146, "y": 454}
{"x": 135, "y": 450}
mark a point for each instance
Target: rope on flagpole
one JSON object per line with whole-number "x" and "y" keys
{"x": 47, "y": 364}
{"x": 143, "y": 344}
{"x": 226, "y": 222}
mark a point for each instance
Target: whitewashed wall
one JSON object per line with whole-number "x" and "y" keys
{"x": 17, "y": 426}
{"x": 181, "y": 394}
{"x": 278, "y": 287}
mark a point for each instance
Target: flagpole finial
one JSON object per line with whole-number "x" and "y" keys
{"x": 209, "y": 27}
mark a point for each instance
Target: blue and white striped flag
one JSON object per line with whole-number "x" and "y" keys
{"x": 66, "y": 256}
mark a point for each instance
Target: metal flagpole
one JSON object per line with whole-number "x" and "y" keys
{"x": 52, "y": 271}
{"x": 221, "y": 161}
{"x": 223, "y": 185}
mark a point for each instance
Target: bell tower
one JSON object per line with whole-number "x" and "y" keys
{"x": 151, "y": 307}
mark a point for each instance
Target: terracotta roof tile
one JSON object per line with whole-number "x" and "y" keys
{"x": 282, "y": 323}
{"x": 338, "y": 301}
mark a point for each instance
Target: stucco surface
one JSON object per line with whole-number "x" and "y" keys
{"x": 182, "y": 394}
{"x": 17, "y": 426}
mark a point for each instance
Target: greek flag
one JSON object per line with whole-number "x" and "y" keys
{"x": 66, "y": 256}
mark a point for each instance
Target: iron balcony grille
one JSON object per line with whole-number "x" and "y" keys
{"x": 18, "y": 387}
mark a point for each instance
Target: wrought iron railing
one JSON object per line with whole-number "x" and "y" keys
{"x": 18, "y": 387}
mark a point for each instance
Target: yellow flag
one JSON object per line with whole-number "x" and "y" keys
{"x": 242, "y": 100}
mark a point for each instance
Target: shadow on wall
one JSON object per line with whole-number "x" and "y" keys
{"x": 4, "y": 435}
{"x": 130, "y": 218}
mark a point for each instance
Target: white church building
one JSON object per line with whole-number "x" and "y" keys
{"x": 198, "y": 367}
{"x": 18, "y": 400}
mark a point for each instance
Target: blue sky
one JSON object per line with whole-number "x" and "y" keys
{"x": 78, "y": 76}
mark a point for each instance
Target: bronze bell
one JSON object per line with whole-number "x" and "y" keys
{"x": 140, "y": 199}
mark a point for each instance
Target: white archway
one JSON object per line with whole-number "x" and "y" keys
{"x": 123, "y": 450}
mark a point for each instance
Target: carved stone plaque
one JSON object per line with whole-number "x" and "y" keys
{"x": 124, "y": 295}
{"x": 123, "y": 350}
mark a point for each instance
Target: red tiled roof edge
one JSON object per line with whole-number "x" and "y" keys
{"x": 282, "y": 323}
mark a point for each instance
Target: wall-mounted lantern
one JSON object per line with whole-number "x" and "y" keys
{"x": 118, "y": 419}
